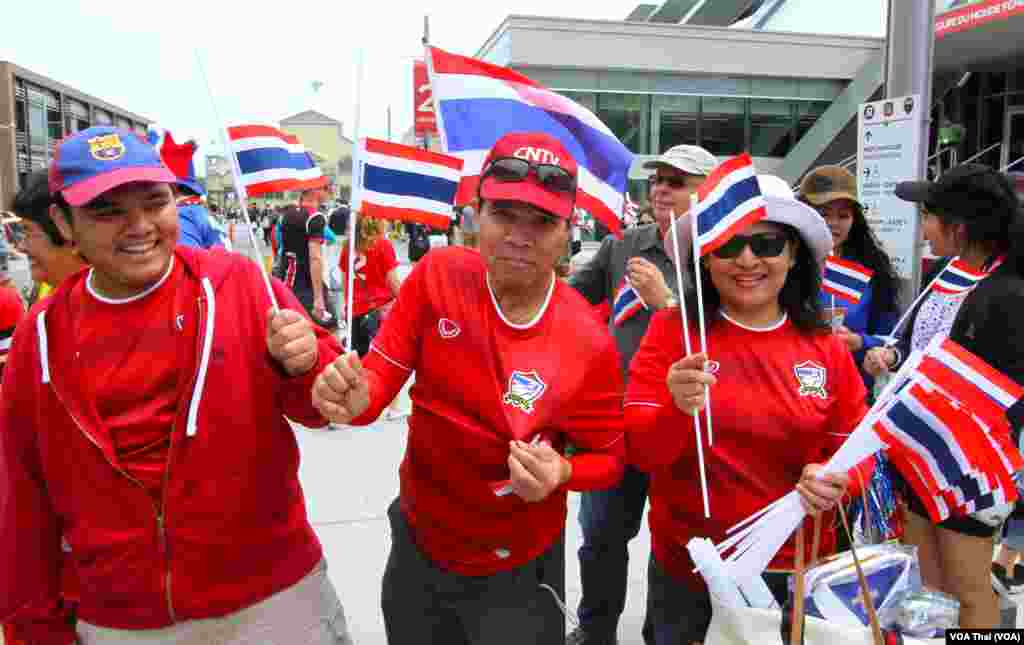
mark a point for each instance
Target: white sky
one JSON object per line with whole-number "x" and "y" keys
{"x": 261, "y": 57}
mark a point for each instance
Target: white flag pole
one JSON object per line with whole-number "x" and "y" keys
{"x": 689, "y": 350}
{"x": 894, "y": 334}
{"x": 236, "y": 173}
{"x": 354, "y": 214}
{"x": 694, "y": 200}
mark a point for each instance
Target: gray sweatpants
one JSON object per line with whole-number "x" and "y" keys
{"x": 307, "y": 613}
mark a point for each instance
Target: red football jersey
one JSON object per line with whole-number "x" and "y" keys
{"x": 784, "y": 399}
{"x": 482, "y": 381}
{"x": 371, "y": 283}
{"x": 11, "y": 312}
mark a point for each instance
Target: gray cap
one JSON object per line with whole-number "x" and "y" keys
{"x": 693, "y": 160}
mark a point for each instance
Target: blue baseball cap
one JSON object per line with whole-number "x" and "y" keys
{"x": 98, "y": 159}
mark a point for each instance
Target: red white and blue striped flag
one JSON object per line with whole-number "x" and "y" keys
{"x": 271, "y": 161}
{"x": 846, "y": 279}
{"x": 957, "y": 278}
{"x": 730, "y": 200}
{"x": 627, "y": 303}
{"x": 477, "y": 103}
{"x": 402, "y": 183}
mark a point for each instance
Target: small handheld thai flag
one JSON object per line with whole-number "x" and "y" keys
{"x": 270, "y": 161}
{"x": 402, "y": 183}
{"x": 846, "y": 279}
{"x": 957, "y": 278}
{"x": 627, "y": 303}
{"x": 730, "y": 200}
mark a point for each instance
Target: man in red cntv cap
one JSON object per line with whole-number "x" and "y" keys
{"x": 510, "y": 367}
{"x": 143, "y": 430}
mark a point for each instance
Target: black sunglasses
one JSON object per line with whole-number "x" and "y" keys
{"x": 764, "y": 245}
{"x": 674, "y": 181}
{"x": 512, "y": 169}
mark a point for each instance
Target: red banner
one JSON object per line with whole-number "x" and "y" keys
{"x": 423, "y": 109}
{"x": 975, "y": 15}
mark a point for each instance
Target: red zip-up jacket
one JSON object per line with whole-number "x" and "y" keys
{"x": 232, "y": 527}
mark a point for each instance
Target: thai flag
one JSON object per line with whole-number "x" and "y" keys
{"x": 846, "y": 279}
{"x": 730, "y": 200}
{"x": 477, "y": 103}
{"x": 270, "y": 161}
{"x": 627, "y": 303}
{"x": 397, "y": 182}
{"x": 957, "y": 278}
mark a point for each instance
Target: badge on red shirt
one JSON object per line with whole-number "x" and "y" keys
{"x": 811, "y": 378}
{"x": 524, "y": 388}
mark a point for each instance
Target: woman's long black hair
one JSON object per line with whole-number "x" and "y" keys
{"x": 863, "y": 247}
{"x": 798, "y": 298}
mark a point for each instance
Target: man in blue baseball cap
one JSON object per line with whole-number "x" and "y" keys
{"x": 180, "y": 511}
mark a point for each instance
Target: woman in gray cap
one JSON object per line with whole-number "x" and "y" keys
{"x": 973, "y": 213}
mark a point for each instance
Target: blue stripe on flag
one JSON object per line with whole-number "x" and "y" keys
{"x": 845, "y": 280}
{"x": 475, "y": 124}
{"x": 250, "y": 161}
{"x": 738, "y": 193}
{"x": 957, "y": 279}
{"x": 409, "y": 184}
{"x": 905, "y": 419}
{"x": 625, "y": 299}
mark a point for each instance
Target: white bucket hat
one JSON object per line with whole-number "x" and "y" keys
{"x": 783, "y": 208}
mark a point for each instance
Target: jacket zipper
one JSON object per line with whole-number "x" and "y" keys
{"x": 162, "y": 518}
{"x": 156, "y": 510}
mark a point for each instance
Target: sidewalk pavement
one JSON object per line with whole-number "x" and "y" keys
{"x": 350, "y": 476}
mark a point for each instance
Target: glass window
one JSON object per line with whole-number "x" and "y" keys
{"x": 675, "y": 121}
{"x": 807, "y": 114}
{"x": 37, "y": 121}
{"x": 628, "y": 116}
{"x": 53, "y": 122}
{"x": 722, "y": 125}
{"x": 771, "y": 126}
{"x": 19, "y": 115}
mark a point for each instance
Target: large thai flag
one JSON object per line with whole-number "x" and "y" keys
{"x": 730, "y": 201}
{"x": 270, "y": 161}
{"x": 477, "y": 103}
{"x": 397, "y": 182}
{"x": 846, "y": 279}
{"x": 627, "y": 303}
{"x": 957, "y": 278}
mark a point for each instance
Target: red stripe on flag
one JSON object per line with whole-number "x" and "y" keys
{"x": 415, "y": 154}
{"x": 444, "y": 63}
{"x": 851, "y": 265}
{"x": 1002, "y": 381}
{"x": 722, "y": 170}
{"x": 722, "y": 238}
{"x": 393, "y": 213}
{"x": 913, "y": 469}
{"x": 246, "y": 131}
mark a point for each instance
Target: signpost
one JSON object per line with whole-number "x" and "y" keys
{"x": 424, "y": 120}
{"x": 889, "y": 151}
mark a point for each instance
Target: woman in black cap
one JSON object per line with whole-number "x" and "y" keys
{"x": 971, "y": 212}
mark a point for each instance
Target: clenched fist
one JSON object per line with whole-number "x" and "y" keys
{"x": 687, "y": 381}
{"x": 291, "y": 341}
{"x": 342, "y": 391}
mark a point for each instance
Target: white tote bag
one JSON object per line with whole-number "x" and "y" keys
{"x": 746, "y": 626}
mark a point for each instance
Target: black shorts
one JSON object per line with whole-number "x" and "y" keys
{"x": 962, "y": 524}
{"x": 425, "y": 605}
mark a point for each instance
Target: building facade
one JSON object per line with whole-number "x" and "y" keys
{"x": 36, "y": 112}
{"x": 324, "y": 139}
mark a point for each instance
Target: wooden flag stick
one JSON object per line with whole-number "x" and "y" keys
{"x": 797, "y": 628}
{"x": 869, "y": 605}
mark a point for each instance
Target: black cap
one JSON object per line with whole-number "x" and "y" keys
{"x": 958, "y": 190}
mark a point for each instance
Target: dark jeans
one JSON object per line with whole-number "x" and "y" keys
{"x": 424, "y": 605}
{"x": 610, "y": 519}
{"x": 679, "y": 615}
{"x": 364, "y": 331}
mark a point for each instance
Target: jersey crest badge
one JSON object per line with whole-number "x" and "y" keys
{"x": 448, "y": 328}
{"x": 524, "y": 388}
{"x": 107, "y": 147}
{"x": 812, "y": 378}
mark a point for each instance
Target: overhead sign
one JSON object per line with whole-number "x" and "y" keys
{"x": 975, "y": 14}
{"x": 889, "y": 151}
{"x": 425, "y": 122}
